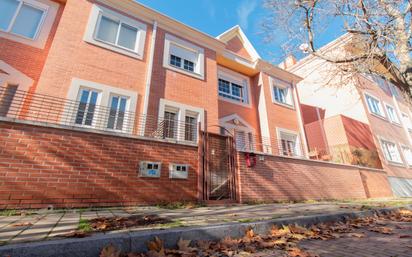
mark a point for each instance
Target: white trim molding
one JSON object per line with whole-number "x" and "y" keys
{"x": 39, "y": 40}
{"x": 182, "y": 110}
{"x": 381, "y": 140}
{"x": 199, "y": 62}
{"x": 90, "y": 36}
{"x": 103, "y": 100}
{"x": 279, "y": 83}
{"x": 298, "y": 144}
{"x": 380, "y": 105}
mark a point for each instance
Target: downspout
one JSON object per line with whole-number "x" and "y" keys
{"x": 148, "y": 79}
{"x": 299, "y": 113}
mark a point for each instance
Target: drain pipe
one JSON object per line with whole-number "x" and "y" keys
{"x": 148, "y": 78}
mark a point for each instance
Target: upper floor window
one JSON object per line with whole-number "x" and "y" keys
{"x": 233, "y": 86}
{"x": 231, "y": 90}
{"x": 23, "y": 18}
{"x": 391, "y": 152}
{"x": 117, "y": 32}
{"x": 393, "y": 116}
{"x": 281, "y": 92}
{"x": 374, "y": 105}
{"x": 407, "y": 121}
{"x": 182, "y": 56}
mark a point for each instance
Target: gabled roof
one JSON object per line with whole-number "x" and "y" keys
{"x": 236, "y": 31}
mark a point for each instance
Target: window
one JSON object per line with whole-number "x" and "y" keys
{"x": 114, "y": 31}
{"x": 231, "y": 91}
{"x": 393, "y": 116}
{"x": 374, "y": 105}
{"x": 87, "y": 107}
{"x": 244, "y": 140}
{"x": 390, "y": 151}
{"x": 190, "y": 128}
{"x": 22, "y": 18}
{"x": 170, "y": 124}
{"x": 182, "y": 56}
{"x": 281, "y": 92}
{"x": 407, "y": 154}
{"x": 407, "y": 121}
{"x": 117, "y": 112}
{"x": 288, "y": 143}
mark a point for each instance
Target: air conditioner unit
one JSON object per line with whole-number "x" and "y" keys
{"x": 150, "y": 169}
{"x": 179, "y": 171}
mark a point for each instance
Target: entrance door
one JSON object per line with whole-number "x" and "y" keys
{"x": 218, "y": 167}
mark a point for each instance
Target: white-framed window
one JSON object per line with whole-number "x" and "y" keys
{"x": 390, "y": 151}
{"x": 407, "y": 154}
{"x": 100, "y": 106}
{"x": 118, "y": 112}
{"x": 179, "y": 121}
{"x": 22, "y": 17}
{"x": 288, "y": 142}
{"x": 407, "y": 121}
{"x": 393, "y": 116}
{"x": 116, "y": 32}
{"x": 374, "y": 105}
{"x": 243, "y": 133}
{"x": 88, "y": 99}
{"x": 244, "y": 140}
{"x": 233, "y": 87}
{"x": 281, "y": 92}
{"x": 182, "y": 56}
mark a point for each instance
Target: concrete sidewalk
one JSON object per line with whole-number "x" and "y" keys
{"x": 46, "y": 225}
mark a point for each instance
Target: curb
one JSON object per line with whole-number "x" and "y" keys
{"x": 136, "y": 241}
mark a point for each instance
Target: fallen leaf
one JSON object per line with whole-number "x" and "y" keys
{"x": 23, "y": 224}
{"x": 110, "y": 251}
{"x": 405, "y": 236}
{"x": 155, "y": 245}
{"x": 183, "y": 245}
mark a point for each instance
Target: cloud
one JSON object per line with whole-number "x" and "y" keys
{"x": 244, "y": 10}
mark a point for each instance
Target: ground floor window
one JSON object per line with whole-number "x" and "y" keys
{"x": 190, "y": 128}
{"x": 288, "y": 143}
{"x": 86, "y": 107}
{"x": 391, "y": 152}
{"x": 170, "y": 124}
{"x": 407, "y": 154}
{"x": 117, "y": 112}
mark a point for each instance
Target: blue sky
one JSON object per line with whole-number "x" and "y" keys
{"x": 215, "y": 16}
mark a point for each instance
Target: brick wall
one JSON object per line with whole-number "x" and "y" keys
{"x": 41, "y": 166}
{"x": 279, "y": 178}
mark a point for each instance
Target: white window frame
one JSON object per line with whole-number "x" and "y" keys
{"x": 382, "y": 116}
{"x": 381, "y": 142}
{"x": 126, "y": 118}
{"x": 103, "y": 100}
{"x": 409, "y": 128}
{"x": 408, "y": 162}
{"x": 237, "y": 78}
{"x": 278, "y": 83}
{"x": 298, "y": 150}
{"x": 387, "y": 106}
{"x": 39, "y": 40}
{"x": 199, "y": 65}
{"x": 182, "y": 110}
{"x": 93, "y": 25}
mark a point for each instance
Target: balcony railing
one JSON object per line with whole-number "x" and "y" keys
{"x": 26, "y": 106}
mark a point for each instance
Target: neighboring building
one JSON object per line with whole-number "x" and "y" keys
{"x": 362, "y": 120}
{"x": 136, "y": 71}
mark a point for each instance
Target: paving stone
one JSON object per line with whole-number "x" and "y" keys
{"x": 88, "y": 215}
{"x": 13, "y": 229}
{"x": 39, "y": 230}
{"x": 68, "y": 223}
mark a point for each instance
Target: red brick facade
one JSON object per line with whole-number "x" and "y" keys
{"x": 42, "y": 166}
{"x": 279, "y": 178}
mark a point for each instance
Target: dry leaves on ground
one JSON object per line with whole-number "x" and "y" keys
{"x": 285, "y": 239}
{"x": 116, "y": 223}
